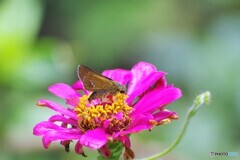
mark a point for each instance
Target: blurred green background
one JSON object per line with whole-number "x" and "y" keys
{"x": 196, "y": 42}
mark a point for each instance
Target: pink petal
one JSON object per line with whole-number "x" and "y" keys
{"x": 58, "y": 108}
{"x": 119, "y": 116}
{"x": 155, "y": 99}
{"x": 140, "y": 122}
{"x": 160, "y": 84}
{"x": 73, "y": 101}
{"x": 125, "y": 141}
{"x": 105, "y": 151}
{"x": 144, "y": 75}
{"x": 59, "y": 136}
{"x": 66, "y": 92}
{"x": 66, "y": 144}
{"x": 143, "y": 84}
{"x": 59, "y": 118}
{"x": 78, "y": 85}
{"x": 161, "y": 115}
{"x": 94, "y": 139}
{"x": 79, "y": 148}
{"x": 63, "y": 90}
{"x": 106, "y": 123}
{"x": 139, "y": 71}
{"x": 52, "y": 132}
{"x": 120, "y": 75}
{"x": 44, "y": 127}
{"x": 64, "y": 125}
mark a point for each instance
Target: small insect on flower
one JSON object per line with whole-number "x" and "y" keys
{"x": 100, "y": 85}
{"x": 97, "y": 124}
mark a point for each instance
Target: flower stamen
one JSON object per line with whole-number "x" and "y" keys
{"x": 91, "y": 116}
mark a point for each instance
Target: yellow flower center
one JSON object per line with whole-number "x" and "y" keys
{"x": 92, "y": 116}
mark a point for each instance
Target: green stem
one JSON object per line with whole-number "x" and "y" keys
{"x": 199, "y": 100}
{"x": 176, "y": 142}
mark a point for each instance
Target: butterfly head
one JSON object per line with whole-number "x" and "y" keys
{"x": 121, "y": 88}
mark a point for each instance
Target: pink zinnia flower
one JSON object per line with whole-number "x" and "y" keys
{"x": 95, "y": 124}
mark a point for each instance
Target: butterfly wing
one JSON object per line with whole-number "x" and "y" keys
{"x": 93, "y": 81}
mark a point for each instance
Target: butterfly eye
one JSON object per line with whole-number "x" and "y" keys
{"x": 122, "y": 91}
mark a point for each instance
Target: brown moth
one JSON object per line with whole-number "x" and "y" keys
{"x": 100, "y": 85}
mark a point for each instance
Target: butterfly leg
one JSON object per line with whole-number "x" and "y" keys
{"x": 98, "y": 94}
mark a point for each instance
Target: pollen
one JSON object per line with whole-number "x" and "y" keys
{"x": 91, "y": 116}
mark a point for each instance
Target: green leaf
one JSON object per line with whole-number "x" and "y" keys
{"x": 116, "y": 151}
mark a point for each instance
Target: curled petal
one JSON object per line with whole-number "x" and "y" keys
{"x": 94, "y": 139}
{"x": 78, "y": 85}
{"x": 120, "y": 75}
{"x": 59, "y": 118}
{"x": 79, "y": 149}
{"x": 66, "y": 144}
{"x": 125, "y": 141}
{"x": 143, "y": 67}
{"x": 58, "y": 108}
{"x": 143, "y": 84}
{"x": 59, "y": 136}
{"x": 144, "y": 75}
{"x": 155, "y": 99}
{"x": 160, "y": 84}
{"x": 64, "y": 125}
{"x": 128, "y": 153}
{"x": 163, "y": 115}
{"x": 52, "y": 132}
{"x": 140, "y": 71}
{"x": 44, "y": 127}
{"x": 105, "y": 151}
